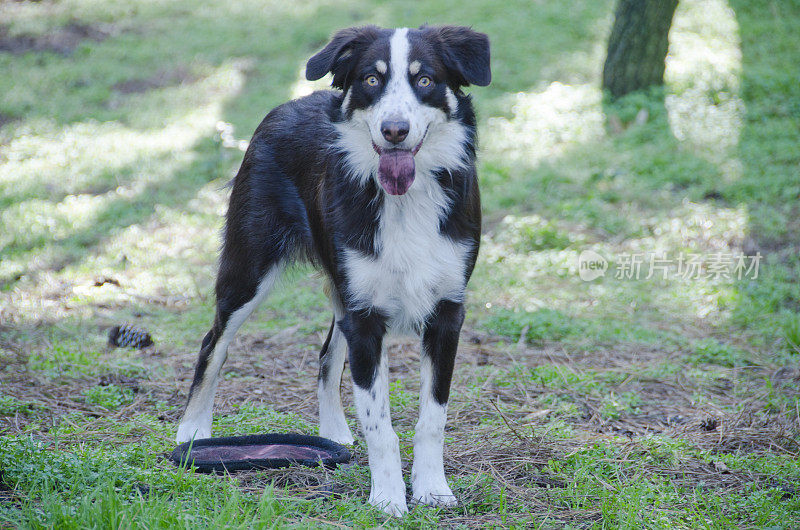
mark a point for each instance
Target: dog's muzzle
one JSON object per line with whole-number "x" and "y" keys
{"x": 396, "y": 168}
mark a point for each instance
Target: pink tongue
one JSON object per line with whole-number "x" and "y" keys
{"x": 396, "y": 171}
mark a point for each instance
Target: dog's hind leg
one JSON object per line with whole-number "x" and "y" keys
{"x": 439, "y": 344}
{"x": 332, "y": 421}
{"x": 266, "y": 227}
{"x": 235, "y": 303}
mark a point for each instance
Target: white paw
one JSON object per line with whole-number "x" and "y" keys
{"x": 393, "y": 504}
{"x": 396, "y": 509}
{"x": 340, "y": 434}
{"x": 191, "y": 430}
{"x": 434, "y": 492}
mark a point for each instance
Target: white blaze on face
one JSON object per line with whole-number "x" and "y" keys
{"x": 398, "y": 101}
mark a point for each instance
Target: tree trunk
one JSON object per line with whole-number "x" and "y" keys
{"x": 638, "y": 45}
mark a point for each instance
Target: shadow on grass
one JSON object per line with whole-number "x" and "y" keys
{"x": 117, "y": 213}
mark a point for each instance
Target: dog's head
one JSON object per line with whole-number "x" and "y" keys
{"x": 400, "y": 92}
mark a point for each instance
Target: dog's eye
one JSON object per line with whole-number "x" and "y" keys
{"x": 372, "y": 80}
{"x": 424, "y": 82}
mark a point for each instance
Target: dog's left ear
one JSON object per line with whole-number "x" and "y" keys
{"x": 340, "y": 55}
{"x": 465, "y": 54}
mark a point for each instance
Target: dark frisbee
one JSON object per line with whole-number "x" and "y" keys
{"x": 260, "y": 451}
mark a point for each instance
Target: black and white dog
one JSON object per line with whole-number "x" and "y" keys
{"x": 375, "y": 184}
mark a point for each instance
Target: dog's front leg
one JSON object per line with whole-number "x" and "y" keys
{"x": 368, "y": 363}
{"x": 439, "y": 345}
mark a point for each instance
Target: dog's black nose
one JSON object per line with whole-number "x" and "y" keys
{"x": 394, "y": 131}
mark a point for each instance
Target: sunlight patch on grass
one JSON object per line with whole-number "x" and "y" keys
{"x": 545, "y": 123}
{"x": 303, "y": 87}
{"x": 64, "y": 189}
{"x": 171, "y": 244}
{"x": 709, "y": 122}
{"x": 703, "y": 69}
{"x": 522, "y": 275}
{"x": 170, "y": 259}
{"x": 34, "y": 222}
{"x": 705, "y": 48}
{"x": 694, "y": 227}
{"x": 90, "y": 156}
{"x": 529, "y": 263}
{"x": 532, "y": 233}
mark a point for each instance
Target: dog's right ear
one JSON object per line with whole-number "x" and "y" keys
{"x": 465, "y": 53}
{"x": 340, "y": 55}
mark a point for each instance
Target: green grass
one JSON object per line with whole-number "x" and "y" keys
{"x": 109, "y": 397}
{"x": 603, "y": 386}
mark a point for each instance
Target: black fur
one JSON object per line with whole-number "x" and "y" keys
{"x": 364, "y": 331}
{"x": 342, "y": 54}
{"x": 323, "y": 365}
{"x": 440, "y": 339}
{"x": 464, "y": 52}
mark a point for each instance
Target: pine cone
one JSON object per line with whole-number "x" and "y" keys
{"x": 129, "y": 336}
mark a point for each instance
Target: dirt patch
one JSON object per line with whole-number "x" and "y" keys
{"x": 62, "y": 41}
{"x": 161, "y": 79}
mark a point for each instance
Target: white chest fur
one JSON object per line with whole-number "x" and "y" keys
{"x": 415, "y": 266}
